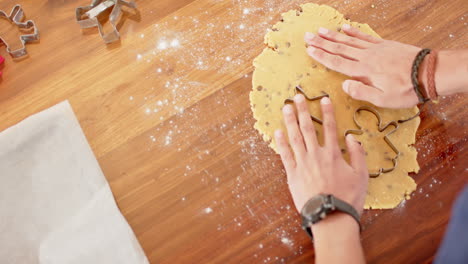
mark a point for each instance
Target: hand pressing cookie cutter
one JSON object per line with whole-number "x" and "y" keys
{"x": 87, "y": 16}
{"x": 381, "y": 128}
{"x": 15, "y": 17}
{"x": 359, "y": 131}
{"x": 310, "y": 99}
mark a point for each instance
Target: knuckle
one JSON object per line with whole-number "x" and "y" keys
{"x": 354, "y": 30}
{"x": 345, "y": 38}
{"x": 335, "y": 61}
{"x": 331, "y": 126}
{"x": 335, "y": 155}
{"x": 296, "y": 139}
{"x": 332, "y": 34}
{"x": 370, "y": 38}
{"x": 318, "y": 40}
{"x": 281, "y": 144}
{"x": 353, "y": 41}
{"x": 307, "y": 128}
{"x": 359, "y": 33}
{"x": 314, "y": 151}
{"x": 341, "y": 48}
{"x": 287, "y": 156}
{"x": 319, "y": 54}
{"x": 302, "y": 107}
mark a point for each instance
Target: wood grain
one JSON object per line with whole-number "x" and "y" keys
{"x": 190, "y": 174}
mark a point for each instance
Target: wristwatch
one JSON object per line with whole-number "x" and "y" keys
{"x": 322, "y": 205}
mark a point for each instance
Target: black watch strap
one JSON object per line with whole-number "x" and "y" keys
{"x": 322, "y": 206}
{"x": 345, "y": 207}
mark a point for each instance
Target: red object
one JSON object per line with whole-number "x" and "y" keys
{"x": 2, "y": 60}
{"x": 431, "y": 65}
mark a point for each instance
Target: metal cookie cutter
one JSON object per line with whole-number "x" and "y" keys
{"x": 16, "y": 16}
{"x": 359, "y": 131}
{"x": 381, "y": 128}
{"x": 87, "y": 16}
{"x": 300, "y": 90}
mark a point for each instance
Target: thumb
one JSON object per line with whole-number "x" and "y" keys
{"x": 357, "y": 155}
{"x": 360, "y": 91}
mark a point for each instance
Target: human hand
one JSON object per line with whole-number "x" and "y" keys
{"x": 313, "y": 169}
{"x": 380, "y": 70}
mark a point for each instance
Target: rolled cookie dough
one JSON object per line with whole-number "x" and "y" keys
{"x": 284, "y": 64}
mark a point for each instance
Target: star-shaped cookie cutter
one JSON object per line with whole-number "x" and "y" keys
{"x": 15, "y": 17}
{"x": 87, "y": 16}
{"x": 359, "y": 131}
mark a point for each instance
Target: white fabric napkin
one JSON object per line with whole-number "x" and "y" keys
{"x": 56, "y": 206}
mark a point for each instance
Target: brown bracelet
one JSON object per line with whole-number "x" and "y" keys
{"x": 415, "y": 75}
{"x": 431, "y": 66}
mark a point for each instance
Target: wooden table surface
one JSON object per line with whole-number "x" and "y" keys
{"x": 167, "y": 115}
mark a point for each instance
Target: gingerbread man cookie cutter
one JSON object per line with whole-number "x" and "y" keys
{"x": 310, "y": 99}
{"x": 16, "y": 17}
{"x": 381, "y": 127}
{"x": 88, "y": 16}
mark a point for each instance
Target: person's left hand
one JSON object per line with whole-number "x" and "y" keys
{"x": 313, "y": 169}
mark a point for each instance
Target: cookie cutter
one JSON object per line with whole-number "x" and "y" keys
{"x": 88, "y": 16}
{"x": 359, "y": 131}
{"x": 381, "y": 127}
{"x": 15, "y": 17}
{"x": 310, "y": 99}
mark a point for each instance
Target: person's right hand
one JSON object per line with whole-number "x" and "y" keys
{"x": 313, "y": 169}
{"x": 380, "y": 70}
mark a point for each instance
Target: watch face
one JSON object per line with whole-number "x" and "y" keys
{"x": 313, "y": 206}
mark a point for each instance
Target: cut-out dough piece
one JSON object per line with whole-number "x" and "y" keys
{"x": 284, "y": 64}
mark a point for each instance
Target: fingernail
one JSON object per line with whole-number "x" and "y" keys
{"x": 352, "y": 138}
{"x": 287, "y": 109}
{"x": 323, "y": 30}
{"x": 325, "y": 101}
{"x": 298, "y": 98}
{"x": 346, "y": 26}
{"x": 309, "y": 35}
{"x": 310, "y": 50}
{"x": 278, "y": 133}
{"x": 346, "y": 86}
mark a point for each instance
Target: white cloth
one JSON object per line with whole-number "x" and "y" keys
{"x": 56, "y": 206}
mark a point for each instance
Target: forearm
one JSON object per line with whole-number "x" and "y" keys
{"x": 451, "y": 74}
{"x": 337, "y": 240}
